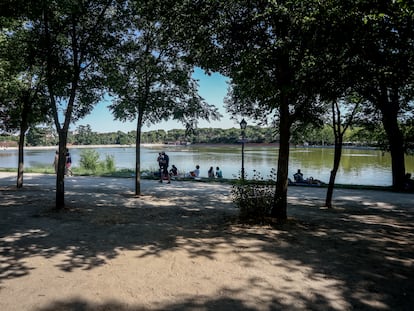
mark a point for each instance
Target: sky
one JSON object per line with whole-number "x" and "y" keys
{"x": 213, "y": 88}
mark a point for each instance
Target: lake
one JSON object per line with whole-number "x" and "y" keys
{"x": 358, "y": 166}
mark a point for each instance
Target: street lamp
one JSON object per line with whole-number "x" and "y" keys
{"x": 243, "y": 125}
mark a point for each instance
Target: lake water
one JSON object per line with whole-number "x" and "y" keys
{"x": 363, "y": 167}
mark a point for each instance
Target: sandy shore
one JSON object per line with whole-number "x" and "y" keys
{"x": 181, "y": 247}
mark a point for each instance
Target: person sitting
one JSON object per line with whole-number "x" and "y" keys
{"x": 219, "y": 173}
{"x": 298, "y": 176}
{"x": 408, "y": 183}
{"x": 173, "y": 171}
{"x": 313, "y": 181}
{"x": 210, "y": 172}
{"x": 196, "y": 172}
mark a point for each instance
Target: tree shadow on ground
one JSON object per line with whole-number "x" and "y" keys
{"x": 364, "y": 248}
{"x": 195, "y": 303}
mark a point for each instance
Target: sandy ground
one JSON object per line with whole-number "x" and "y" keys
{"x": 181, "y": 247}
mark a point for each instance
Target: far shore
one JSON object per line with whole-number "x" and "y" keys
{"x": 174, "y": 145}
{"x": 128, "y": 146}
{"x": 81, "y": 146}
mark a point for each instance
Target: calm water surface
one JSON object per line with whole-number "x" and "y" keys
{"x": 364, "y": 167}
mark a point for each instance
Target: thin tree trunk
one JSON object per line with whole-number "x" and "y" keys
{"x": 138, "y": 159}
{"x": 20, "y": 167}
{"x": 24, "y": 125}
{"x": 338, "y": 133}
{"x": 60, "y": 177}
{"x": 339, "y": 129}
{"x": 337, "y": 160}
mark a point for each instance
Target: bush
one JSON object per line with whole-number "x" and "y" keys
{"x": 89, "y": 160}
{"x": 255, "y": 197}
{"x": 109, "y": 163}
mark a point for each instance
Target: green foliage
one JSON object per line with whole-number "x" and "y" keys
{"x": 90, "y": 163}
{"x": 41, "y": 136}
{"x": 23, "y": 99}
{"x": 89, "y": 160}
{"x": 255, "y": 197}
{"x": 109, "y": 163}
{"x": 84, "y": 135}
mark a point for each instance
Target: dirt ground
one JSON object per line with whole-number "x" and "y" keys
{"x": 181, "y": 247}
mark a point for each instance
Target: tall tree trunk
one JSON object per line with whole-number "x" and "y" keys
{"x": 395, "y": 138}
{"x": 20, "y": 167}
{"x": 24, "y": 125}
{"x": 389, "y": 105}
{"x": 279, "y": 209}
{"x": 138, "y": 158}
{"x": 60, "y": 178}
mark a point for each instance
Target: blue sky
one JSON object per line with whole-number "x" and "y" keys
{"x": 212, "y": 88}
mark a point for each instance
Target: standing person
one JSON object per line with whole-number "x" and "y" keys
{"x": 165, "y": 160}
{"x": 219, "y": 173}
{"x": 68, "y": 163}
{"x": 160, "y": 161}
{"x": 56, "y": 161}
{"x": 211, "y": 172}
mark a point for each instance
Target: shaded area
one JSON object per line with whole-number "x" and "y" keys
{"x": 363, "y": 249}
{"x": 198, "y": 303}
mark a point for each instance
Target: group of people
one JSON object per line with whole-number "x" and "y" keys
{"x": 210, "y": 173}
{"x": 165, "y": 174}
{"x": 68, "y": 162}
{"x": 217, "y": 174}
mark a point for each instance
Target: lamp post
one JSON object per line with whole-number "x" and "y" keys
{"x": 243, "y": 125}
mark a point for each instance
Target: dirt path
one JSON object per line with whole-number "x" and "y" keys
{"x": 179, "y": 247}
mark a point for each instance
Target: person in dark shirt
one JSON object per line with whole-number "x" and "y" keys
{"x": 298, "y": 176}
{"x": 174, "y": 171}
{"x": 68, "y": 164}
{"x": 163, "y": 161}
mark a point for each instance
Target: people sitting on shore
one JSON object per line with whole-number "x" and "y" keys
{"x": 219, "y": 173}
{"x": 173, "y": 171}
{"x": 298, "y": 179}
{"x": 210, "y": 172}
{"x": 196, "y": 172}
{"x": 298, "y": 176}
{"x": 313, "y": 181}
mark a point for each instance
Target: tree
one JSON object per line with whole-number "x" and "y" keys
{"x": 84, "y": 135}
{"x": 150, "y": 80}
{"x": 371, "y": 46}
{"x": 265, "y": 49}
{"x": 41, "y": 136}
{"x": 72, "y": 37}
{"x": 388, "y": 62}
{"x": 22, "y": 92}
{"x": 339, "y": 126}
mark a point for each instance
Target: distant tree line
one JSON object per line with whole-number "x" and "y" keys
{"x": 320, "y": 136}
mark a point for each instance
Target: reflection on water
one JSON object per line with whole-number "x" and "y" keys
{"x": 366, "y": 167}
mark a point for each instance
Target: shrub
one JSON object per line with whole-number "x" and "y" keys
{"x": 89, "y": 160}
{"x": 255, "y": 197}
{"x": 109, "y": 163}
